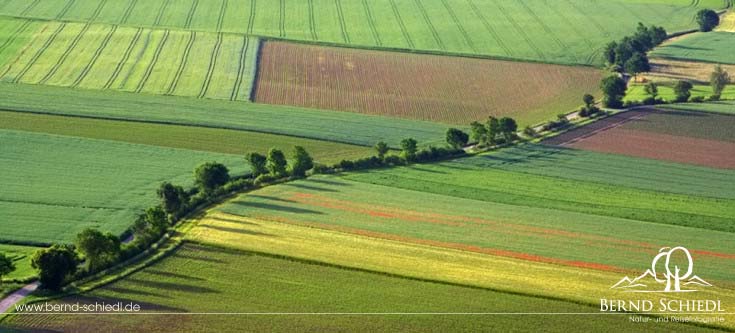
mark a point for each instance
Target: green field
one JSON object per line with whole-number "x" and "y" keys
{"x": 299, "y": 122}
{"x": 538, "y": 30}
{"x": 201, "y": 278}
{"x": 636, "y": 92}
{"x": 14, "y": 35}
{"x": 714, "y": 47}
{"x": 175, "y": 136}
{"x": 726, "y": 107}
{"x": 55, "y": 186}
{"x": 166, "y": 62}
{"x": 21, "y": 256}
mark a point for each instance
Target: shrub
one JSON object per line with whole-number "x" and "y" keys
{"x": 394, "y": 160}
{"x": 707, "y": 19}
{"x": 55, "y": 265}
{"x": 265, "y": 179}
{"x": 322, "y": 169}
{"x": 238, "y": 185}
{"x": 697, "y": 99}
{"x": 211, "y": 175}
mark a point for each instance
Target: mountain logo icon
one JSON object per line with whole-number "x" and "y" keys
{"x": 670, "y": 279}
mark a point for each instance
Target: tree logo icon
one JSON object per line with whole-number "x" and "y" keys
{"x": 672, "y": 268}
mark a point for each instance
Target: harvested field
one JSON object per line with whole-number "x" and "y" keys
{"x": 727, "y": 22}
{"x": 664, "y": 70}
{"x": 452, "y": 90}
{"x": 683, "y": 137}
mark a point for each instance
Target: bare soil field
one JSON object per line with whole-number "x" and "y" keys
{"x": 424, "y": 87}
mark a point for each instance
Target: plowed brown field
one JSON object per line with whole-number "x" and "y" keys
{"x": 683, "y": 137}
{"x": 425, "y": 87}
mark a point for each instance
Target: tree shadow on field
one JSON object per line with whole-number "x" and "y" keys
{"x": 204, "y": 259}
{"x": 273, "y": 207}
{"x": 237, "y": 231}
{"x": 173, "y": 275}
{"x": 128, "y": 291}
{"x": 224, "y": 219}
{"x": 428, "y": 170}
{"x": 310, "y": 187}
{"x": 268, "y": 197}
{"x": 144, "y": 306}
{"x": 689, "y": 47}
{"x": 329, "y": 182}
{"x": 173, "y": 286}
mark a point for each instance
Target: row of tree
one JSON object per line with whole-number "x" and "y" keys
{"x": 629, "y": 54}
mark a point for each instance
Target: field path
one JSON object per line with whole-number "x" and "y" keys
{"x": 17, "y": 296}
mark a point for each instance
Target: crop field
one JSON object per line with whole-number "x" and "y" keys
{"x": 538, "y": 30}
{"x": 454, "y": 90}
{"x": 712, "y": 47}
{"x": 165, "y": 62}
{"x": 175, "y": 136}
{"x": 21, "y": 256}
{"x": 684, "y": 137}
{"x": 55, "y": 186}
{"x": 333, "y": 126}
{"x": 637, "y": 92}
{"x": 14, "y": 34}
{"x": 727, "y": 22}
{"x": 280, "y": 285}
{"x": 666, "y": 70}
{"x": 724, "y": 107}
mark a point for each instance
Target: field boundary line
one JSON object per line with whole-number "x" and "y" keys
{"x": 182, "y": 64}
{"x": 489, "y": 28}
{"x": 546, "y": 28}
{"x": 124, "y": 59}
{"x": 95, "y": 57}
{"x": 65, "y": 55}
{"x": 39, "y": 53}
{"x": 30, "y": 7}
{"x": 459, "y": 25}
{"x": 427, "y": 20}
{"x": 21, "y": 29}
{"x": 240, "y": 69}
{"x": 212, "y": 64}
{"x": 97, "y": 11}
{"x": 256, "y": 74}
{"x": 153, "y": 63}
{"x": 404, "y": 31}
{"x": 65, "y": 9}
{"x": 190, "y": 15}
{"x": 251, "y": 20}
{"x": 312, "y": 22}
{"x": 221, "y": 17}
{"x": 162, "y": 10}
{"x": 520, "y": 31}
{"x": 342, "y": 24}
{"x": 128, "y": 11}
{"x": 371, "y": 22}
{"x": 282, "y": 18}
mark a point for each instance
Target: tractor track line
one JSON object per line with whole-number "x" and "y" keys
{"x": 126, "y": 56}
{"x": 240, "y": 69}
{"x": 23, "y": 27}
{"x": 39, "y": 53}
{"x": 312, "y": 22}
{"x": 156, "y": 55}
{"x": 521, "y": 32}
{"x": 65, "y": 10}
{"x": 371, "y": 23}
{"x": 29, "y": 8}
{"x": 549, "y": 31}
{"x": 490, "y": 28}
{"x": 97, "y": 11}
{"x": 182, "y": 64}
{"x": 251, "y": 20}
{"x": 128, "y": 11}
{"x": 342, "y": 24}
{"x": 282, "y": 18}
{"x": 65, "y": 55}
{"x": 430, "y": 25}
{"x": 401, "y": 24}
{"x": 95, "y": 57}
{"x": 190, "y": 16}
{"x": 162, "y": 10}
{"x": 221, "y": 17}
{"x": 459, "y": 25}
{"x": 212, "y": 65}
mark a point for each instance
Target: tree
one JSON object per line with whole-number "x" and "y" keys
{"x": 257, "y": 164}
{"x": 719, "y": 79}
{"x": 508, "y": 128}
{"x": 54, "y": 265}
{"x": 302, "y": 162}
{"x": 613, "y": 87}
{"x": 638, "y": 63}
{"x": 382, "y": 149}
{"x": 658, "y": 35}
{"x": 707, "y": 20}
{"x": 588, "y": 100}
{"x": 456, "y": 138}
{"x": 651, "y": 89}
{"x": 277, "y": 163}
{"x": 609, "y": 53}
{"x": 173, "y": 198}
{"x": 478, "y": 132}
{"x": 493, "y": 130}
{"x": 409, "y": 147}
{"x": 211, "y": 175}
{"x": 98, "y": 248}
{"x": 682, "y": 90}
{"x": 153, "y": 220}
{"x": 6, "y": 266}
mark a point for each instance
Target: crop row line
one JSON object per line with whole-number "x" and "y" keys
{"x": 65, "y": 9}
{"x": 97, "y": 11}
{"x": 182, "y": 64}
{"x": 30, "y": 7}
{"x": 65, "y": 55}
{"x": 489, "y": 28}
{"x": 282, "y": 18}
{"x": 459, "y": 25}
{"x": 124, "y": 59}
{"x": 190, "y": 16}
{"x": 404, "y": 31}
{"x": 212, "y": 65}
{"x": 156, "y": 55}
{"x": 128, "y": 11}
{"x": 161, "y": 11}
{"x": 95, "y": 57}
{"x": 430, "y": 25}
{"x": 19, "y": 55}
{"x": 371, "y": 22}
{"x": 342, "y": 24}
{"x": 240, "y": 69}
{"x": 251, "y": 19}
{"x": 312, "y": 22}
{"x": 594, "y": 22}
{"x": 549, "y": 31}
{"x": 39, "y": 53}
{"x": 141, "y": 53}
{"x": 13, "y": 37}
{"x": 566, "y": 19}
{"x": 221, "y": 17}
{"x": 520, "y": 31}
